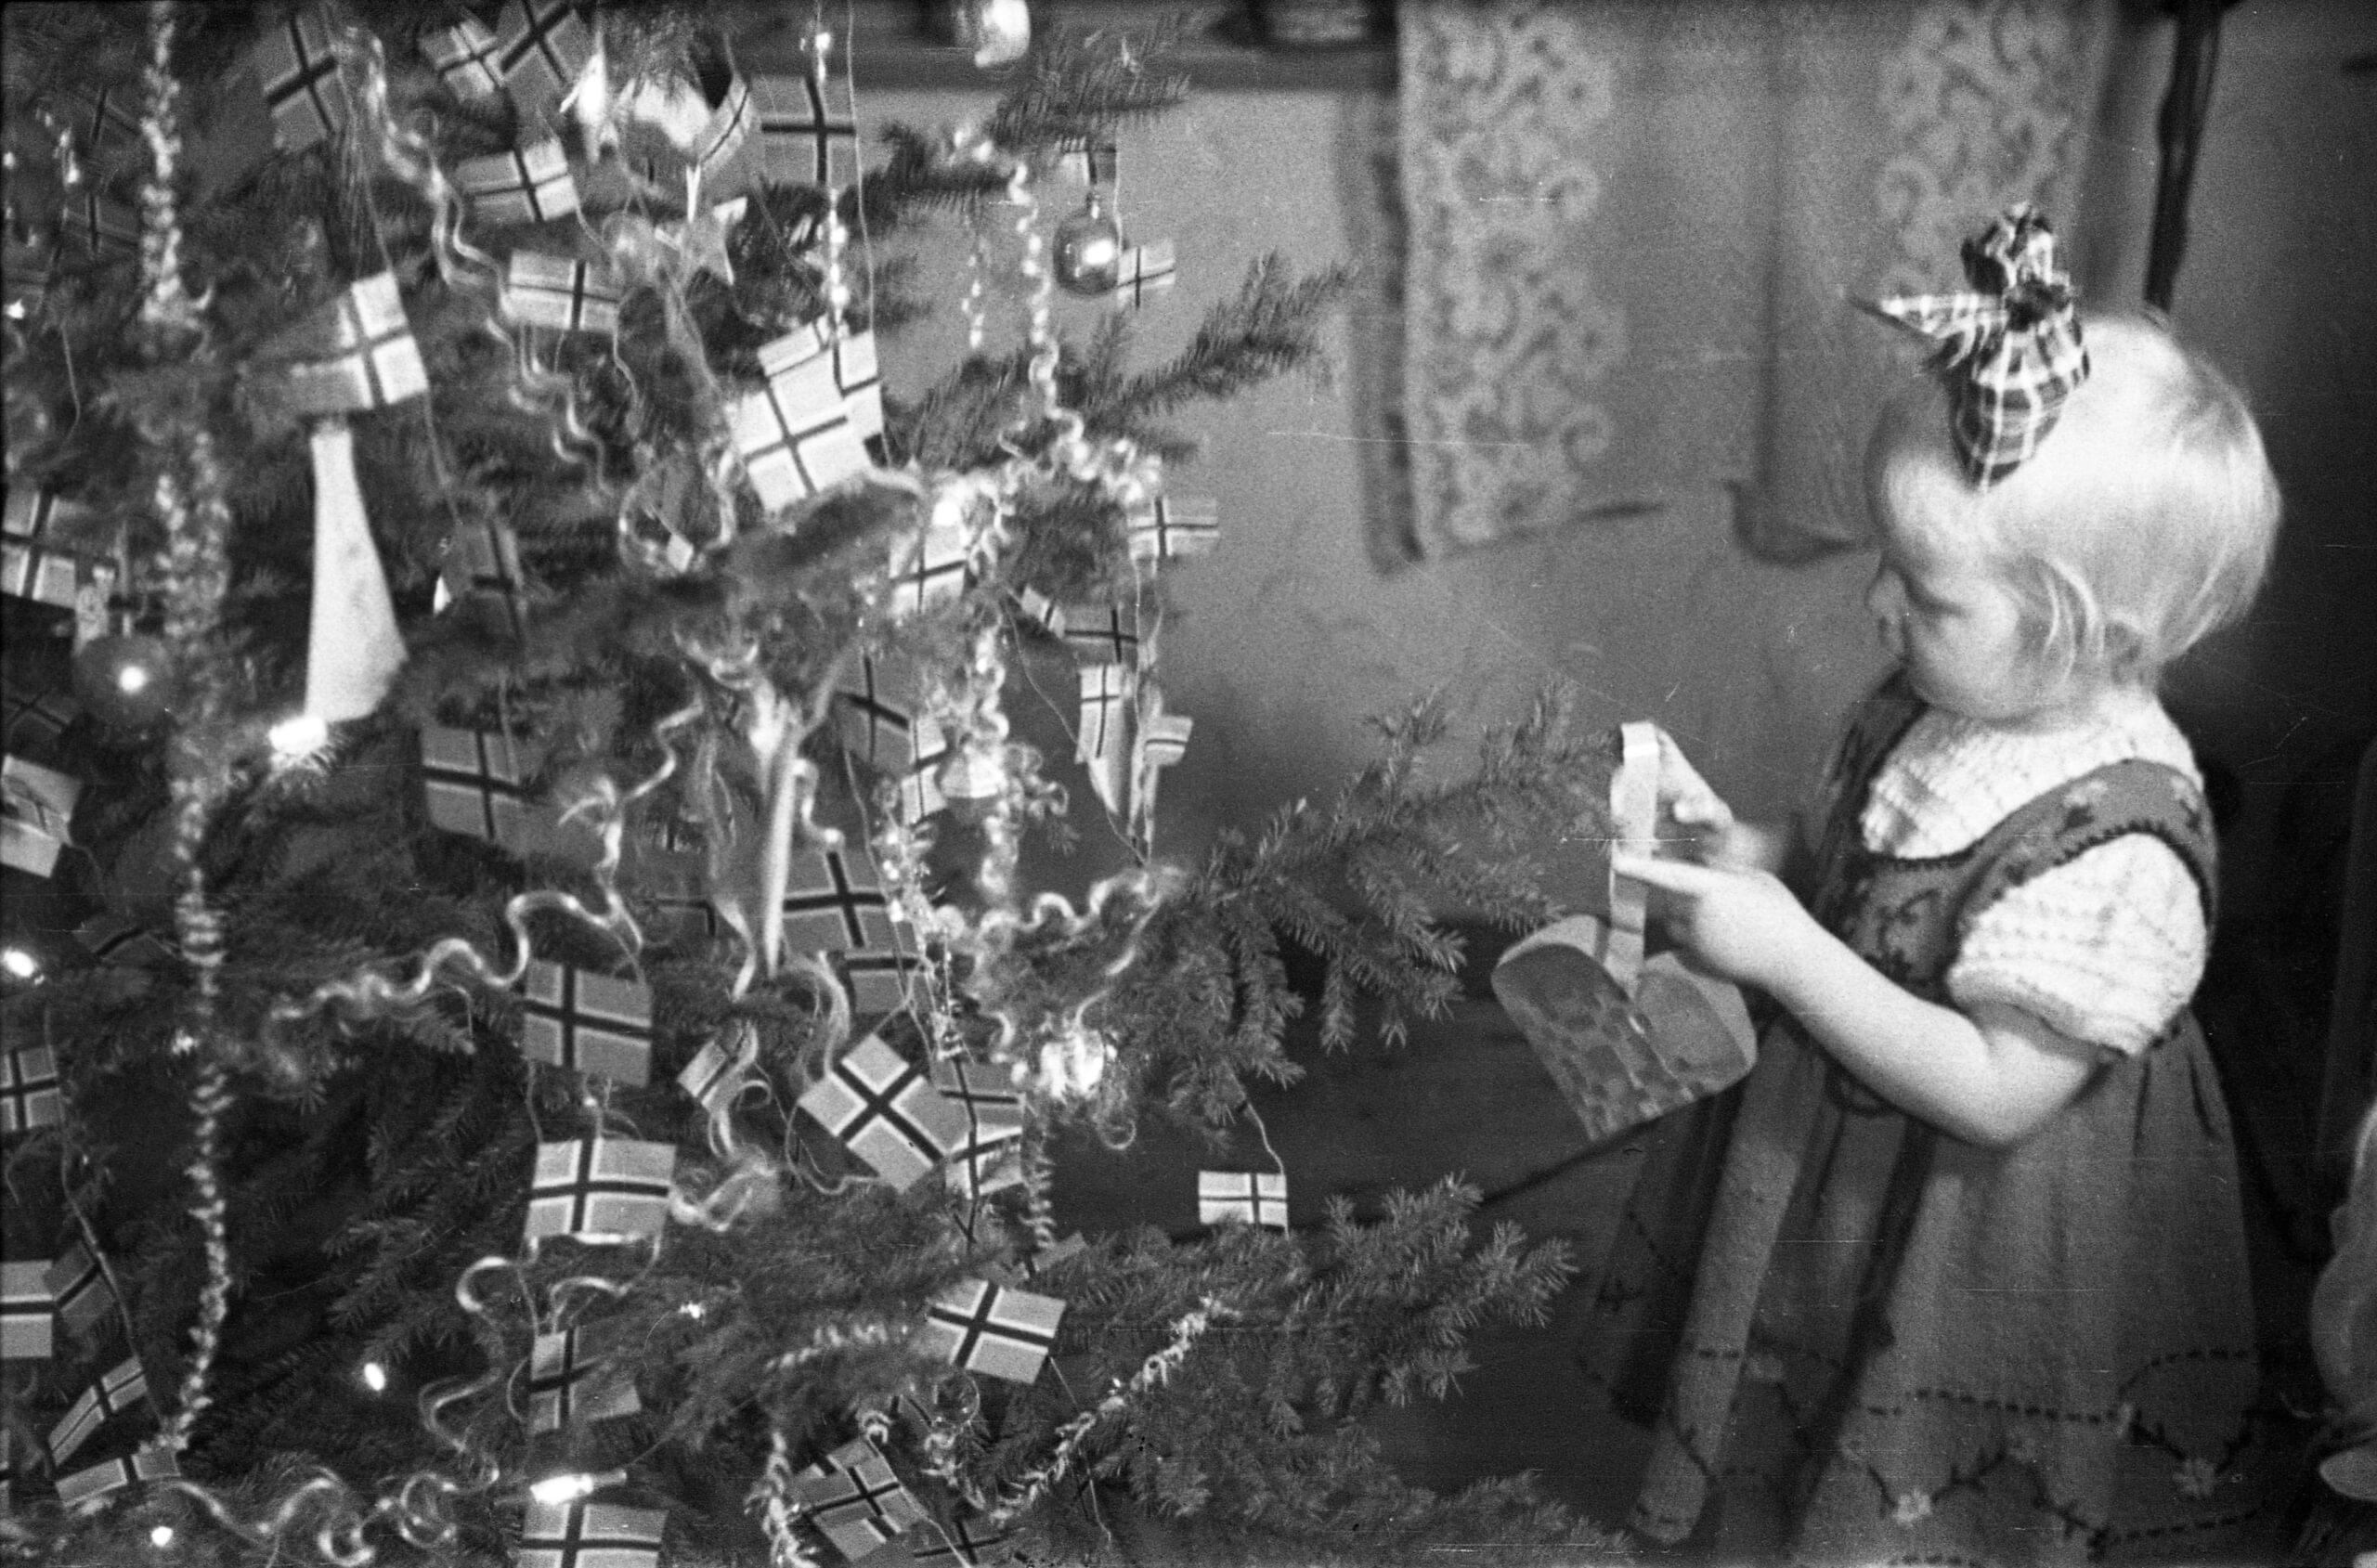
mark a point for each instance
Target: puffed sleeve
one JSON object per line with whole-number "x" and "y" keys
{"x": 2106, "y": 948}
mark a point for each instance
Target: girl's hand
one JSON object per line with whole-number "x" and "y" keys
{"x": 1742, "y": 925}
{"x": 1703, "y": 824}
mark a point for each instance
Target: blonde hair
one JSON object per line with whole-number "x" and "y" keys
{"x": 2143, "y": 523}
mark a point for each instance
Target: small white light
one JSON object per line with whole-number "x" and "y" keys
{"x": 693, "y": 1310}
{"x": 375, "y": 1377}
{"x": 562, "y": 1488}
{"x": 162, "y": 1537}
{"x": 20, "y": 965}
{"x": 132, "y": 680}
{"x": 296, "y": 739}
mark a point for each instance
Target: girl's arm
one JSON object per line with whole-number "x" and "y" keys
{"x": 1992, "y": 1077}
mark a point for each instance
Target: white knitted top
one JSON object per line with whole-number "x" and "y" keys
{"x": 2106, "y": 948}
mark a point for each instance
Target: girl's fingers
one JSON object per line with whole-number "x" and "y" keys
{"x": 1676, "y": 876}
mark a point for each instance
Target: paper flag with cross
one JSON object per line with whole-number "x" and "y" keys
{"x": 79, "y": 1284}
{"x": 32, "y": 721}
{"x": 808, "y": 131}
{"x": 795, "y": 436}
{"x": 1174, "y": 527}
{"x": 589, "y": 1534}
{"x": 850, "y": 363}
{"x": 560, "y": 293}
{"x": 1254, "y": 1197}
{"x": 856, "y": 1500}
{"x": 87, "y": 1487}
{"x": 114, "y": 938}
{"x": 585, "y": 1022}
{"x": 466, "y": 58}
{"x": 717, "y": 1074}
{"x": 601, "y": 1191}
{"x": 49, "y": 547}
{"x": 27, "y": 1314}
{"x": 721, "y": 135}
{"x": 541, "y": 48}
{"x": 1107, "y": 633}
{"x": 1093, "y": 163}
{"x": 674, "y": 897}
{"x": 99, "y": 224}
{"x": 481, "y": 573}
{"x": 991, "y": 1328}
{"x": 579, "y": 1375}
{"x": 29, "y": 1098}
{"x": 877, "y": 979}
{"x": 990, "y": 1159}
{"x": 476, "y": 782}
{"x": 1101, "y": 746}
{"x": 296, "y": 68}
{"x": 1158, "y": 740}
{"x": 834, "y": 902}
{"x": 105, "y": 121}
{"x": 36, "y": 814}
{"x": 1035, "y": 608}
{"x": 1143, "y": 273}
{"x": 532, "y": 183}
{"x": 121, "y": 1388}
{"x": 886, "y": 1111}
{"x": 355, "y": 352}
{"x": 879, "y": 704}
{"x": 969, "y": 1541}
{"x": 929, "y": 566}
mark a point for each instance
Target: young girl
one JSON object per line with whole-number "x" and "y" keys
{"x": 1958, "y": 1275}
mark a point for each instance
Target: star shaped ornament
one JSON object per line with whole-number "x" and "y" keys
{"x": 700, "y": 241}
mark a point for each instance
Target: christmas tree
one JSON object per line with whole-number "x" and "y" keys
{"x": 533, "y": 1027}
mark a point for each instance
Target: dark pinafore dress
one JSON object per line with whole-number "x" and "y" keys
{"x": 1858, "y": 1339}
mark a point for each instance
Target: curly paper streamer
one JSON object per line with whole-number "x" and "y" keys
{"x": 338, "y": 1540}
{"x": 999, "y": 931}
{"x": 407, "y": 154}
{"x": 1154, "y": 1372}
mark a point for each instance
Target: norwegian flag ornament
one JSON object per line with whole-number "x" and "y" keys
{"x": 877, "y": 978}
{"x": 1036, "y": 608}
{"x": 834, "y": 902}
{"x": 882, "y": 723}
{"x": 991, "y": 1328}
{"x": 99, "y": 224}
{"x": 969, "y": 1541}
{"x": 918, "y": 794}
{"x": 717, "y": 1075}
{"x": 578, "y": 1375}
{"x": 1093, "y": 163}
{"x": 31, "y": 719}
{"x": 589, "y": 1535}
{"x": 86, "y": 1489}
{"x": 601, "y": 1191}
{"x": 27, "y": 1315}
{"x": 482, "y": 574}
{"x": 808, "y": 131}
{"x": 85, "y": 1296}
{"x": 886, "y": 1111}
{"x": 1254, "y": 1197}
{"x": 112, "y": 939}
{"x": 668, "y": 119}
{"x": 541, "y": 48}
{"x": 476, "y": 782}
{"x": 988, "y": 1160}
{"x": 856, "y": 1500}
{"x": 559, "y": 292}
{"x": 1105, "y": 691}
{"x": 586, "y": 1022}
{"x": 466, "y": 58}
{"x": 118, "y": 1390}
{"x": 1158, "y": 740}
{"x": 294, "y": 65}
{"x": 677, "y": 906}
{"x": 355, "y": 352}
{"x": 105, "y": 121}
{"x": 1142, "y": 273}
{"x": 1107, "y": 633}
{"x": 30, "y": 1100}
{"x": 929, "y": 567}
{"x": 795, "y": 436}
{"x": 849, "y": 360}
{"x": 36, "y": 814}
{"x": 1172, "y": 527}
{"x": 48, "y": 546}
{"x": 530, "y": 185}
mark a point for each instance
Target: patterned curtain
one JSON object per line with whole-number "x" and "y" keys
{"x": 1631, "y": 228}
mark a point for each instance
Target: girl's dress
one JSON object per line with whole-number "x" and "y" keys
{"x": 1859, "y": 1339}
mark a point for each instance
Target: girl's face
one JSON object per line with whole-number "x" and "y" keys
{"x": 1948, "y": 614}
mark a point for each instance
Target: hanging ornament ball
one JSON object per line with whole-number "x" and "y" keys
{"x": 1089, "y": 250}
{"x": 999, "y": 31}
{"x": 127, "y": 681}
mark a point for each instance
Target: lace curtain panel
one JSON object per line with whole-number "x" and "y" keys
{"x": 1631, "y": 228}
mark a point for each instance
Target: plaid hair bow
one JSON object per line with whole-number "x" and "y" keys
{"x": 2011, "y": 352}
